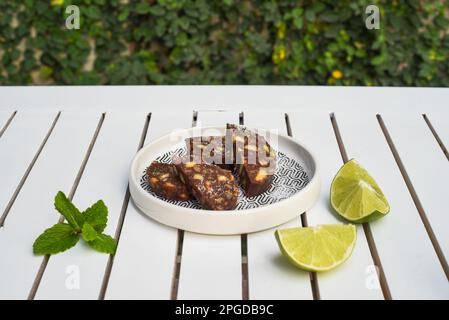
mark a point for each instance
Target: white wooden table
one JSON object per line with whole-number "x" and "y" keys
{"x": 81, "y": 140}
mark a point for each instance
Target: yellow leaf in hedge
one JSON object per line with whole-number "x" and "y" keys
{"x": 279, "y": 54}
{"x": 46, "y": 71}
{"x": 337, "y": 74}
{"x": 57, "y": 2}
{"x": 281, "y": 30}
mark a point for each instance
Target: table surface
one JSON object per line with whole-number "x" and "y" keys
{"x": 81, "y": 140}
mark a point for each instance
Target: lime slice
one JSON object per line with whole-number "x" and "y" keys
{"x": 320, "y": 248}
{"x": 356, "y": 196}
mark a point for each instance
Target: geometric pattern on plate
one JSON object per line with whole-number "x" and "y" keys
{"x": 289, "y": 178}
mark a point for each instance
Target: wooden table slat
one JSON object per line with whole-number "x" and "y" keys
{"x": 271, "y": 276}
{"x": 408, "y": 258}
{"x": 145, "y": 258}
{"x": 4, "y": 117}
{"x": 18, "y": 146}
{"x": 350, "y": 280}
{"x": 106, "y": 178}
{"x": 211, "y": 265}
{"x": 427, "y": 168}
{"x": 33, "y": 210}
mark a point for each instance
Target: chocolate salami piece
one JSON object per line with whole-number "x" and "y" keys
{"x": 255, "y": 179}
{"x": 212, "y": 150}
{"x": 164, "y": 181}
{"x": 239, "y": 137}
{"x": 247, "y": 144}
{"x": 213, "y": 187}
{"x": 255, "y": 160}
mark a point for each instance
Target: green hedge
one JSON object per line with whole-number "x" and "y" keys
{"x": 224, "y": 42}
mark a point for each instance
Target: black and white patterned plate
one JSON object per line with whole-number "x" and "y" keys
{"x": 290, "y": 177}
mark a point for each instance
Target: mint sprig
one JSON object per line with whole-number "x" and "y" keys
{"x": 88, "y": 225}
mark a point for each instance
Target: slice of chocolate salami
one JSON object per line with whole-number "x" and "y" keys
{"x": 164, "y": 181}
{"x": 248, "y": 144}
{"x": 212, "y": 150}
{"x": 255, "y": 160}
{"x": 255, "y": 179}
{"x": 213, "y": 187}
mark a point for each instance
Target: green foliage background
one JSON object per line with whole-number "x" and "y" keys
{"x": 224, "y": 42}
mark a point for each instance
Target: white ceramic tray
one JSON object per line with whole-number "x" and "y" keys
{"x": 295, "y": 188}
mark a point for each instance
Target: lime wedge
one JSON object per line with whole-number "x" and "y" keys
{"x": 356, "y": 196}
{"x": 320, "y": 248}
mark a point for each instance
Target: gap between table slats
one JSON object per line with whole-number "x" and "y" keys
{"x": 366, "y": 227}
{"x": 46, "y": 258}
{"x": 8, "y": 122}
{"x": 244, "y": 246}
{"x": 436, "y": 135}
{"x": 313, "y": 275}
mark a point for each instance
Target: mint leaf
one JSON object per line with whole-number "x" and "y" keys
{"x": 89, "y": 224}
{"x": 68, "y": 210}
{"x": 97, "y": 216}
{"x": 104, "y": 243}
{"x": 88, "y": 232}
{"x": 56, "y": 239}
